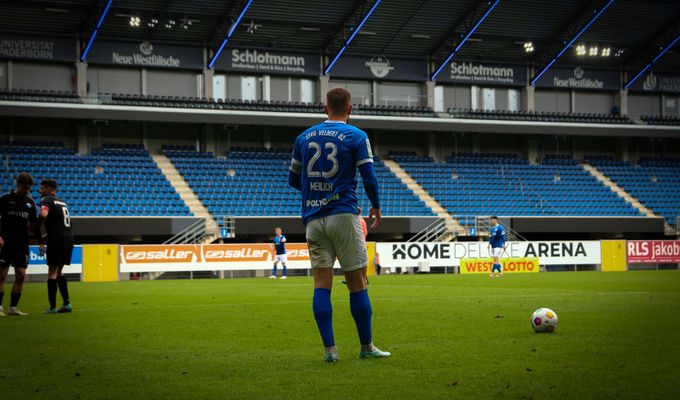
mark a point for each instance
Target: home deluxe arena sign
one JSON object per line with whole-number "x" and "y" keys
{"x": 450, "y": 254}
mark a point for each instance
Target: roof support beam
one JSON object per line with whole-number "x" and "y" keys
{"x": 355, "y": 30}
{"x": 636, "y": 58}
{"x": 581, "y": 31}
{"x": 648, "y": 66}
{"x": 465, "y": 38}
{"x": 83, "y": 57}
{"x": 229, "y": 33}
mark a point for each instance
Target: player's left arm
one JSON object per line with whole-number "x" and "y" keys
{"x": 295, "y": 171}
{"x": 283, "y": 239}
{"x": 45, "y": 205}
{"x": 364, "y": 160}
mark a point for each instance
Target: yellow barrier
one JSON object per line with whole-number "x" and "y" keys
{"x": 370, "y": 246}
{"x": 510, "y": 265}
{"x": 100, "y": 263}
{"x": 614, "y": 255}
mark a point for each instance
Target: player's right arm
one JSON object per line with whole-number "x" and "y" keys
{"x": 295, "y": 172}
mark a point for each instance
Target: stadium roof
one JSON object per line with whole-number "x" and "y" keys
{"x": 408, "y": 28}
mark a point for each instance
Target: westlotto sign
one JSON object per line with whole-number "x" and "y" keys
{"x": 450, "y": 254}
{"x": 653, "y": 251}
{"x": 510, "y": 265}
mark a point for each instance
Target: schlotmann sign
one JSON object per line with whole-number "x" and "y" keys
{"x": 268, "y": 61}
{"x": 476, "y": 73}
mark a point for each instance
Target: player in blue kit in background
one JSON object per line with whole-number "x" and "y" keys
{"x": 497, "y": 244}
{"x": 280, "y": 249}
{"x": 325, "y": 159}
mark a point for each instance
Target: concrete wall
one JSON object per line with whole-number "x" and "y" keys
{"x": 643, "y": 104}
{"x": 114, "y": 80}
{"x": 171, "y": 83}
{"x": 42, "y": 76}
{"x": 456, "y": 97}
{"x": 4, "y": 75}
{"x": 362, "y": 91}
{"x": 593, "y": 102}
{"x": 400, "y": 94}
{"x": 671, "y": 106}
{"x": 552, "y": 100}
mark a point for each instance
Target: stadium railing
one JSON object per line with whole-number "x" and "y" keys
{"x": 656, "y": 120}
{"x": 539, "y": 116}
{"x": 194, "y": 233}
{"x": 432, "y": 232}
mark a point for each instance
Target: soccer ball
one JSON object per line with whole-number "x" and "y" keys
{"x": 544, "y": 320}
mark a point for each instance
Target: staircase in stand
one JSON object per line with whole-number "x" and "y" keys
{"x": 452, "y": 227}
{"x": 630, "y": 199}
{"x": 190, "y": 199}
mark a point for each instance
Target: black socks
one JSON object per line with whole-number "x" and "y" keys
{"x": 52, "y": 293}
{"x": 63, "y": 289}
{"x": 14, "y": 299}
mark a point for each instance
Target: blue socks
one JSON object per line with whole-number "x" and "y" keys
{"x": 323, "y": 314}
{"x": 360, "y": 305}
{"x": 285, "y": 272}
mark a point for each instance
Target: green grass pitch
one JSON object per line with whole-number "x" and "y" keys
{"x": 452, "y": 337}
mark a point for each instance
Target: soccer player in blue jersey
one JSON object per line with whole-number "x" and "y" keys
{"x": 497, "y": 244}
{"x": 280, "y": 248}
{"x": 325, "y": 159}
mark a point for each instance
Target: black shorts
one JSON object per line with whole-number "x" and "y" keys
{"x": 59, "y": 253}
{"x": 14, "y": 255}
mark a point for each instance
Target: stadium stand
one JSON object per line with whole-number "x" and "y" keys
{"x": 469, "y": 185}
{"x": 253, "y": 105}
{"x": 252, "y": 182}
{"x": 654, "y": 181}
{"x": 116, "y": 180}
{"x": 49, "y": 96}
{"x": 540, "y": 116}
{"x": 654, "y": 120}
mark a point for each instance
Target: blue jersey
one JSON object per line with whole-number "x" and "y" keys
{"x": 497, "y": 236}
{"x": 327, "y": 156}
{"x": 280, "y": 245}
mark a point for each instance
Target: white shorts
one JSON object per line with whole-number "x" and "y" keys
{"x": 281, "y": 258}
{"x": 337, "y": 236}
{"x": 496, "y": 252}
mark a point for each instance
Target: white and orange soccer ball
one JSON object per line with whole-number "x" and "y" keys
{"x": 544, "y": 320}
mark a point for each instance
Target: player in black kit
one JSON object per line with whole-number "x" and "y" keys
{"x": 54, "y": 213}
{"x": 18, "y": 215}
